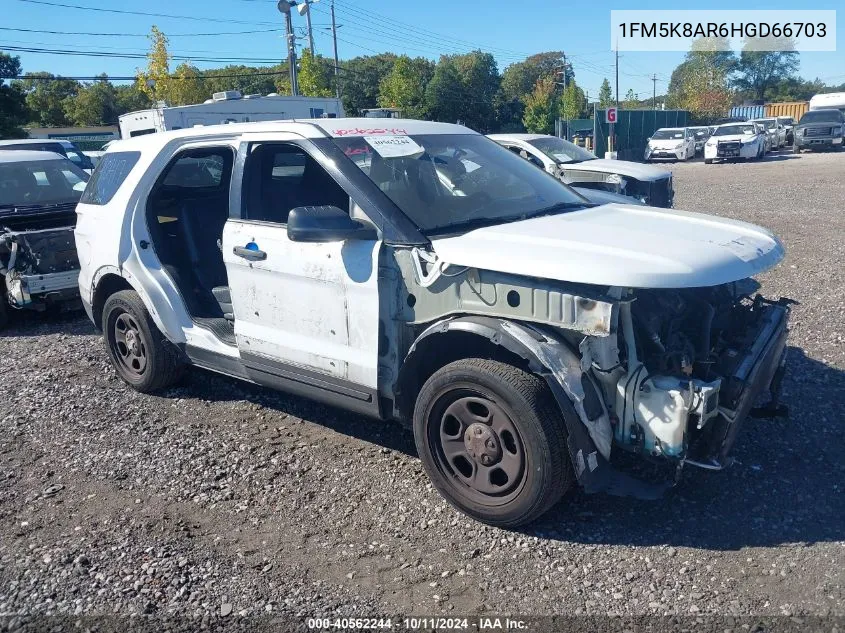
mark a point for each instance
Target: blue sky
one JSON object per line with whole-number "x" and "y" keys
{"x": 510, "y": 30}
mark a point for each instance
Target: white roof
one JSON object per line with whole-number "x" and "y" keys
{"x": 26, "y": 155}
{"x": 518, "y": 137}
{"x": 28, "y": 141}
{"x": 308, "y": 128}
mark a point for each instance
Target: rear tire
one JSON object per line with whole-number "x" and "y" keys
{"x": 4, "y": 314}
{"x": 492, "y": 441}
{"x": 708, "y": 161}
{"x": 142, "y": 356}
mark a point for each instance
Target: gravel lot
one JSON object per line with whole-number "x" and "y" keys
{"x": 218, "y": 500}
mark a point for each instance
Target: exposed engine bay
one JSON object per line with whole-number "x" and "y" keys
{"x": 692, "y": 363}
{"x": 38, "y": 260}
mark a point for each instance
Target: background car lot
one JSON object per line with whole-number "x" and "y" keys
{"x": 220, "y": 498}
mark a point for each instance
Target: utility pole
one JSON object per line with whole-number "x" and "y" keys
{"x": 307, "y": 4}
{"x": 284, "y": 7}
{"x": 336, "y": 62}
{"x": 612, "y": 132}
{"x": 654, "y": 92}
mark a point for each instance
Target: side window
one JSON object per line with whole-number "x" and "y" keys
{"x": 280, "y": 177}
{"x": 196, "y": 171}
{"x": 109, "y": 176}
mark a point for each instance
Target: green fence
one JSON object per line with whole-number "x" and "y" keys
{"x": 633, "y": 128}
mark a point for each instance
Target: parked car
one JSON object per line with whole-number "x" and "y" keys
{"x": 673, "y": 143}
{"x": 59, "y": 146}
{"x": 775, "y": 131}
{"x": 38, "y": 264}
{"x": 735, "y": 141}
{"x": 701, "y": 134}
{"x": 423, "y": 273}
{"x": 576, "y": 166}
{"x": 819, "y": 129}
{"x": 788, "y": 124}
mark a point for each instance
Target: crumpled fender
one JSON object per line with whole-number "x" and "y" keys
{"x": 550, "y": 357}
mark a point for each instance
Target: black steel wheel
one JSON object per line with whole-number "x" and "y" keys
{"x": 140, "y": 353}
{"x": 492, "y": 441}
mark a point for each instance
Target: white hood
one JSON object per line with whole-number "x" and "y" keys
{"x": 619, "y": 245}
{"x": 745, "y": 138}
{"x": 670, "y": 144}
{"x": 644, "y": 173}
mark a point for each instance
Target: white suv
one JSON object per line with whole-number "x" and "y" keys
{"x": 420, "y": 272}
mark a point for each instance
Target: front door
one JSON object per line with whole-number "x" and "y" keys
{"x": 305, "y": 313}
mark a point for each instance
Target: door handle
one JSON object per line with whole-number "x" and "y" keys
{"x": 252, "y": 254}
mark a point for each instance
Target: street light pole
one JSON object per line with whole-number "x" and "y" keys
{"x": 284, "y": 7}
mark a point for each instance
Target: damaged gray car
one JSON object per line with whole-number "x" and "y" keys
{"x": 420, "y": 272}
{"x": 38, "y": 263}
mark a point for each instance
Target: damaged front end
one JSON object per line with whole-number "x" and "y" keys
{"x": 694, "y": 362}
{"x": 38, "y": 262}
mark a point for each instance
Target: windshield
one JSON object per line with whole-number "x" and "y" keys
{"x": 732, "y": 130}
{"x": 561, "y": 151}
{"x": 766, "y": 124}
{"x": 821, "y": 116}
{"x": 445, "y": 182}
{"x": 787, "y": 120}
{"x": 40, "y": 182}
{"x": 701, "y": 132}
{"x": 664, "y": 135}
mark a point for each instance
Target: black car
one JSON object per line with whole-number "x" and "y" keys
{"x": 819, "y": 129}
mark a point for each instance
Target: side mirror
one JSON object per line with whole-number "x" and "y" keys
{"x": 648, "y": 139}
{"x": 326, "y": 224}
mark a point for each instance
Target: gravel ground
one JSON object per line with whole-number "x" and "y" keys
{"x": 221, "y": 504}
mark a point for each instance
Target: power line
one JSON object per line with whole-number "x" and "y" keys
{"x": 133, "y": 78}
{"x": 145, "y": 13}
{"x": 169, "y": 35}
{"x": 219, "y": 60}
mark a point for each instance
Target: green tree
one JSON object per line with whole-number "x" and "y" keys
{"x": 520, "y": 79}
{"x": 46, "y": 95}
{"x": 314, "y": 78}
{"x": 573, "y": 102}
{"x": 94, "y": 104}
{"x": 186, "y": 86}
{"x": 540, "y": 108}
{"x": 759, "y": 71}
{"x": 130, "y": 98}
{"x": 12, "y": 99}
{"x": 245, "y": 79}
{"x": 631, "y": 101}
{"x": 445, "y": 92}
{"x": 701, "y": 83}
{"x": 155, "y": 81}
{"x": 605, "y": 95}
{"x": 481, "y": 81}
{"x": 360, "y": 80}
{"x": 405, "y": 86}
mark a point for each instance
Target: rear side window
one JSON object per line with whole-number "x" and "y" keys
{"x": 109, "y": 175}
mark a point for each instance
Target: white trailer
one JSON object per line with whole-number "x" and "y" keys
{"x": 831, "y": 100}
{"x": 228, "y": 107}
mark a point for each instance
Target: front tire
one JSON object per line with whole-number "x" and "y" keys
{"x": 142, "y": 356}
{"x": 492, "y": 441}
{"x": 708, "y": 161}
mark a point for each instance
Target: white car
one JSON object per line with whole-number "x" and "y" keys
{"x": 775, "y": 130}
{"x": 418, "y": 271}
{"x": 578, "y": 167}
{"x": 677, "y": 143}
{"x": 735, "y": 141}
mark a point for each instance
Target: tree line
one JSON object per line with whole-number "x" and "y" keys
{"x": 529, "y": 95}
{"x": 710, "y": 80}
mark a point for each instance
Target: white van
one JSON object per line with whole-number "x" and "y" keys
{"x": 831, "y": 100}
{"x": 228, "y": 107}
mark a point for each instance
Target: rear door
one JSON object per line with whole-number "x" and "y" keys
{"x": 305, "y": 313}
